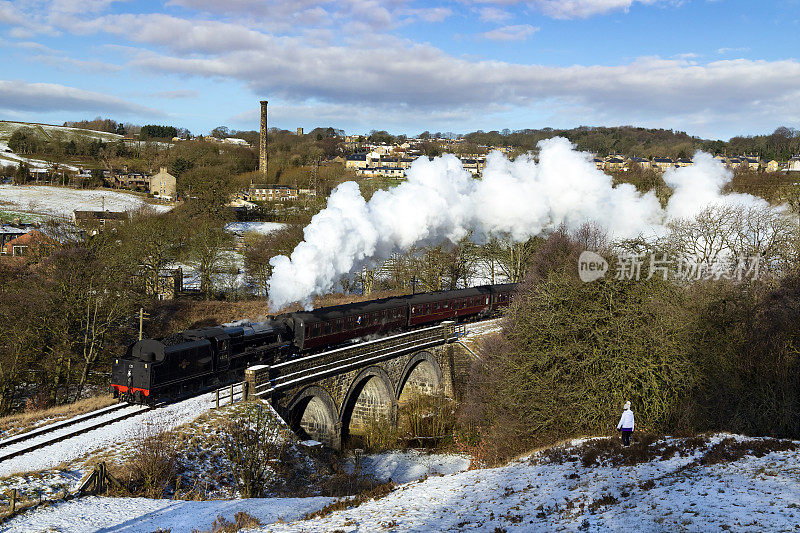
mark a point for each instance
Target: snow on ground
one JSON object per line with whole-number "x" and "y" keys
{"x": 7, "y": 157}
{"x": 752, "y": 494}
{"x": 166, "y": 417}
{"x": 545, "y": 492}
{"x": 62, "y": 201}
{"x": 410, "y": 465}
{"x": 141, "y": 515}
{"x": 240, "y": 228}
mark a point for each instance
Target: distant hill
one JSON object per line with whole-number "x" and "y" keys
{"x": 51, "y": 132}
{"x": 646, "y": 142}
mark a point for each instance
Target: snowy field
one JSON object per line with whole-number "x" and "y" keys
{"x": 751, "y": 494}
{"x": 240, "y": 228}
{"x": 544, "y": 492}
{"x": 410, "y": 465}
{"x": 7, "y": 157}
{"x": 141, "y": 515}
{"x": 63, "y": 201}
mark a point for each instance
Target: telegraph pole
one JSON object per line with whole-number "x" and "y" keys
{"x": 142, "y": 317}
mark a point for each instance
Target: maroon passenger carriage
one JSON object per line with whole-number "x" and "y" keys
{"x": 331, "y": 326}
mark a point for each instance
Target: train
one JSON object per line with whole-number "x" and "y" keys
{"x": 186, "y": 363}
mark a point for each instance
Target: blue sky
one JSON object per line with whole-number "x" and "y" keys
{"x": 711, "y": 68}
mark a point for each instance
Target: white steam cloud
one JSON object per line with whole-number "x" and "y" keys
{"x": 440, "y": 200}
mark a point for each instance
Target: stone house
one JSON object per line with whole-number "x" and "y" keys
{"x": 163, "y": 185}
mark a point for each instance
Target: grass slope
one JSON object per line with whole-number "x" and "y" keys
{"x": 48, "y": 131}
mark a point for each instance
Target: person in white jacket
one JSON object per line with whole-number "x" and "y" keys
{"x": 626, "y": 424}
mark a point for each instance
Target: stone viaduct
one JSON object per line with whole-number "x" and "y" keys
{"x": 327, "y": 396}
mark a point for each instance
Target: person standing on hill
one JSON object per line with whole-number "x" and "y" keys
{"x": 626, "y": 424}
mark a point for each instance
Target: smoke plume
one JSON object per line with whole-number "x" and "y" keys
{"x": 520, "y": 198}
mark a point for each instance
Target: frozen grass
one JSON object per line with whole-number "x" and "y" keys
{"x": 21, "y": 422}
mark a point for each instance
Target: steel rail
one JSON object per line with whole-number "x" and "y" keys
{"x": 71, "y": 434}
{"x": 61, "y": 424}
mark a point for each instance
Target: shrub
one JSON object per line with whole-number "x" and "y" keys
{"x": 241, "y": 520}
{"x": 427, "y": 419}
{"x": 153, "y": 465}
{"x": 729, "y": 450}
{"x": 253, "y": 443}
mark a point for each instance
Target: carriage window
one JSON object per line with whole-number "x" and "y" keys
{"x": 327, "y": 327}
{"x": 436, "y": 306}
{"x": 487, "y": 300}
{"x": 308, "y": 332}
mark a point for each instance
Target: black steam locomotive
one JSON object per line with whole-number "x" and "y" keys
{"x": 193, "y": 360}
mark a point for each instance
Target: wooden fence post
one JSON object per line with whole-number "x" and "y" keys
{"x": 245, "y": 391}
{"x": 217, "y": 398}
{"x": 13, "y": 501}
{"x": 231, "y": 393}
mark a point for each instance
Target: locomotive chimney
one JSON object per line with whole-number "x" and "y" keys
{"x": 262, "y": 143}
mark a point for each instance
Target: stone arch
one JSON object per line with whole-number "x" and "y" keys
{"x": 371, "y": 395}
{"x": 423, "y": 372}
{"x": 313, "y": 414}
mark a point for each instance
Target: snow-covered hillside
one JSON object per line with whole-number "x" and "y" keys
{"x": 46, "y": 131}
{"x": 715, "y": 483}
{"x": 7, "y": 128}
{"x": 60, "y": 201}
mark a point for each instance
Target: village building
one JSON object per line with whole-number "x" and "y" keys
{"x": 9, "y": 233}
{"x": 615, "y": 163}
{"x": 32, "y": 245}
{"x": 663, "y": 163}
{"x": 638, "y": 161}
{"x": 772, "y": 166}
{"x": 356, "y": 161}
{"x": 163, "y": 185}
{"x": 132, "y": 180}
{"x": 385, "y": 172}
{"x": 752, "y": 163}
{"x": 794, "y": 164}
{"x": 94, "y": 221}
{"x": 272, "y": 193}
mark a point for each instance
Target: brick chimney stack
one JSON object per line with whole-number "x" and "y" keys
{"x": 262, "y": 143}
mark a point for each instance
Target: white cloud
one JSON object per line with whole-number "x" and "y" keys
{"x": 519, "y": 32}
{"x": 64, "y": 62}
{"x": 569, "y": 9}
{"x": 20, "y": 95}
{"x": 729, "y": 50}
{"x": 493, "y": 14}
{"x": 177, "y": 94}
{"x": 429, "y": 14}
{"x": 10, "y": 15}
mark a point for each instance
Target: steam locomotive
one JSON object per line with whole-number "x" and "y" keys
{"x": 188, "y": 362}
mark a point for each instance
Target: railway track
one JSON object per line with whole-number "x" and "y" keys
{"x": 66, "y": 429}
